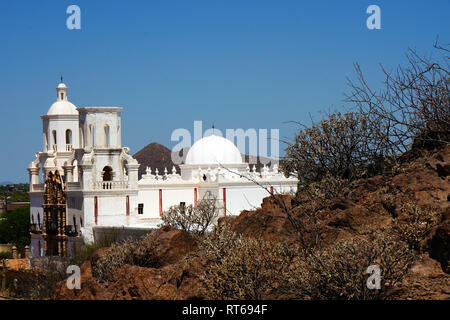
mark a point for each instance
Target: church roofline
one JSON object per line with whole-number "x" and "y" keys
{"x": 60, "y": 116}
{"x": 100, "y": 108}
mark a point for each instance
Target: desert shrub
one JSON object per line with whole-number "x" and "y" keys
{"x": 415, "y": 223}
{"x": 133, "y": 252}
{"x": 339, "y": 271}
{"x": 412, "y": 111}
{"x": 244, "y": 268}
{"x": 192, "y": 219}
{"x": 413, "y": 108}
{"x": 327, "y": 188}
{"x": 339, "y": 145}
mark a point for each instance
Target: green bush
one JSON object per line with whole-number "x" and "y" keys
{"x": 5, "y": 255}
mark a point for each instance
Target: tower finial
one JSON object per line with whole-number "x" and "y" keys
{"x": 213, "y": 128}
{"x": 61, "y": 78}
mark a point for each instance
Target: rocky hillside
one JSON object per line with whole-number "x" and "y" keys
{"x": 370, "y": 204}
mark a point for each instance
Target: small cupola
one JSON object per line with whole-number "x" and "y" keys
{"x": 61, "y": 91}
{"x": 62, "y": 105}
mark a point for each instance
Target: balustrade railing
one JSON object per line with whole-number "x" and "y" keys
{"x": 110, "y": 185}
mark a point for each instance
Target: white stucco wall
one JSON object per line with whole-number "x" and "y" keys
{"x": 170, "y": 197}
{"x": 240, "y": 198}
{"x": 150, "y": 199}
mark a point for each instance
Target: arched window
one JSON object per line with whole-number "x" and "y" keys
{"x": 54, "y": 137}
{"x": 74, "y": 224}
{"x": 92, "y": 134}
{"x": 107, "y": 173}
{"x": 106, "y": 136}
{"x": 68, "y": 136}
{"x": 81, "y": 137}
{"x": 46, "y": 140}
{"x": 55, "y": 142}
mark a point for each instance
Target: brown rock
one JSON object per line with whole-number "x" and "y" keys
{"x": 439, "y": 244}
{"x": 172, "y": 245}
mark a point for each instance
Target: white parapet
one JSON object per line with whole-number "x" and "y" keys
{"x": 110, "y": 185}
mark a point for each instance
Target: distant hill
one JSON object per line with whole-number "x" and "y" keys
{"x": 6, "y": 183}
{"x": 156, "y": 155}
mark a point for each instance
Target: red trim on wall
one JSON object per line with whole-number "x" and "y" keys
{"x": 224, "y": 191}
{"x": 128, "y": 205}
{"x": 95, "y": 209}
{"x": 160, "y": 203}
{"x": 195, "y": 197}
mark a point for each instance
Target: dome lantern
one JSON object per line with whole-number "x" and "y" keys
{"x": 62, "y": 106}
{"x": 61, "y": 91}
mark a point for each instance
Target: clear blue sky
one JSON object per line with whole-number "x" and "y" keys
{"x": 235, "y": 63}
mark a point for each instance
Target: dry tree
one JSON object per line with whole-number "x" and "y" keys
{"x": 413, "y": 108}
{"x": 193, "y": 219}
{"x": 412, "y": 111}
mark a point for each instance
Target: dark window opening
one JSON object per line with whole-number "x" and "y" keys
{"x": 107, "y": 173}
{"x": 140, "y": 208}
{"x": 183, "y": 207}
{"x": 68, "y": 136}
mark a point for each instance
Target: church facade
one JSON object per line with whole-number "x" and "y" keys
{"x": 85, "y": 178}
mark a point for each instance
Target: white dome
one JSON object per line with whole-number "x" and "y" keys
{"x": 213, "y": 150}
{"x": 62, "y": 107}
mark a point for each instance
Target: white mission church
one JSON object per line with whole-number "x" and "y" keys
{"x": 84, "y": 179}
